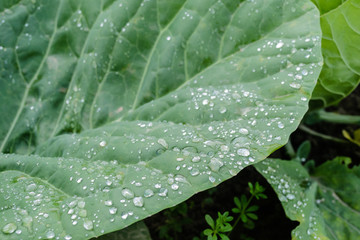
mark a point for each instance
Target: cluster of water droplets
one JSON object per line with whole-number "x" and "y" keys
{"x": 293, "y": 198}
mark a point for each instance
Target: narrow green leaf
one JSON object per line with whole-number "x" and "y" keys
{"x": 252, "y": 216}
{"x": 252, "y": 208}
{"x": 210, "y": 221}
{"x": 236, "y": 210}
{"x": 223, "y": 236}
{"x": 208, "y": 232}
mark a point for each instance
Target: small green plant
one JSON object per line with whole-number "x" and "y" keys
{"x": 243, "y": 208}
{"x": 218, "y": 227}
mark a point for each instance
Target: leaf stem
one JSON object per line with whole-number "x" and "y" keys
{"x": 337, "y": 118}
{"x": 323, "y": 136}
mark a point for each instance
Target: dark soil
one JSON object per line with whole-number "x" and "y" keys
{"x": 187, "y": 220}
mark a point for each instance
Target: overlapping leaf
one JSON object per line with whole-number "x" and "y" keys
{"x": 340, "y": 24}
{"x": 325, "y": 202}
{"x": 168, "y": 98}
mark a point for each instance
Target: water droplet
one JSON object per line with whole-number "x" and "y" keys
{"x": 31, "y": 187}
{"x": 50, "y": 235}
{"x": 215, "y": 164}
{"x": 304, "y": 72}
{"x": 298, "y": 76}
{"x": 281, "y": 125}
{"x": 148, "y": 193}
{"x": 180, "y": 178}
{"x": 27, "y": 220}
{"x": 243, "y": 152}
{"x": 88, "y": 225}
{"x": 138, "y": 201}
{"x": 175, "y": 187}
{"x": 194, "y": 172}
{"x": 295, "y": 85}
{"x": 179, "y": 159}
{"x": 68, "y": 237}
{"x": 102, "y": 143}
{"x": 279, "y": 45}
{"x": 124, "y": 215}
{"x": 168, "y": 38}
{"x": 224, "y": 148}
{"x": 196, "y": 159}
{"x": 233, "y": 172}
{"x": 205, "y": 102}
{"x": 243, "y": 131}
{"x": 9, "y": 228}
{"x": 222, "y": 110}
{"x": 127, "y": 193}
{"x": 163, "y": 192}
{"x": 212, "y": 179}
{"x": 163, "y": 143}
{"x": 81, "y": 204}
{"x": 82, "y": 213}
{"x": 113, "y": 210}
{"x": 108, "y": 203}
{"x": 290, "y": 196}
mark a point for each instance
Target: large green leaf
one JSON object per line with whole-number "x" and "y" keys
{"x": 167, "y": 98}
{"x": 340, "y": 24}
{"x": 325, "y": 202}
{"x": 68, "y": 65}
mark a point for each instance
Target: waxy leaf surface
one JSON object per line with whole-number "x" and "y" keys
{"x": 134, "y": 106}
{"x": 340, "y": 24}
{"x": 325, "y": 202}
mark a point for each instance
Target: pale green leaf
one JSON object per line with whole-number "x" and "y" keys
{"x": 165, "y": 99}
{"x": 340, "y": 24}
{"x": 325, "y": 202}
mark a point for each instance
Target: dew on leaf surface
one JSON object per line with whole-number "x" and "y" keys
{"x": 82, "y": 213}
{"x": 215, "y": 164}
{"x": 68, "y": 237}
{"x": 279, "y": 45}
{"x": 196, "y": 159}
{"x": 194, "y": 172}
{"x": 9, "y": 228}
{"x": 127, "y": 193}
{"x": 243, "y": 152}
{"x": 295, "y": 85}
{"x": 163, "y": 192}
{"x": 50, "y": 235}
{"x": 113, "y": 210}
{"x": 81, "y": 204}
{"x": 88, "y": 225}
{"x": 102, "y": 143}
{"x": 174, "y": 186}
{"x": 124, "y": 215}
{"x": 163, "y": 143}
{"x": 211, "y": 179}
{"x": 138, "y": 201}
{"x": 148, "y": 193}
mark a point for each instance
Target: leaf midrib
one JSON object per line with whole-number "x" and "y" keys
{"x": 32, "y": 81}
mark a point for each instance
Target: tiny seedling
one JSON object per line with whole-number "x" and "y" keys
{"x": 218, "y": 227}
